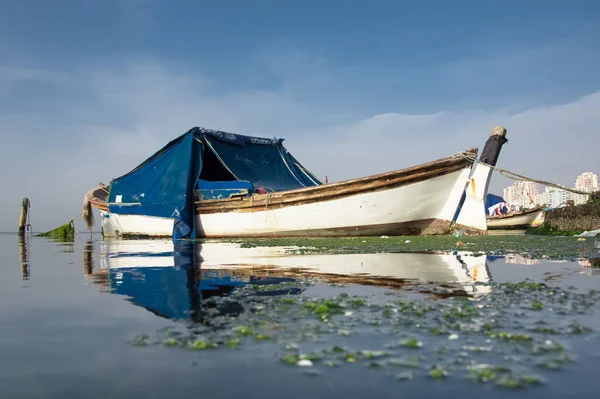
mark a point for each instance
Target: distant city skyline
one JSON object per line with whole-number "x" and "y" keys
{"x": 527, "y": 194}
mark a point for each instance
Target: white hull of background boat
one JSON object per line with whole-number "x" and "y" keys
{"x": 511, "y": 221}
{"x": 426, "y": 207}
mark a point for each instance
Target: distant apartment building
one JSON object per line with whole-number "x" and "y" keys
{"x": 587, "y": 182}
{"x": 555, "y": 196}
{"x": 527, "y": 194}
{"x": 523, "y": 193}
{"x": 542, "y": 198}
{"x": 578, "y": 199}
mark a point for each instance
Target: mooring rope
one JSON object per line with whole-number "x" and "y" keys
{"x": 80, "y": 216}
{"x": 268, "y": 200}
{"x": 515, "y": 176}
{"x": 267, "y": 205}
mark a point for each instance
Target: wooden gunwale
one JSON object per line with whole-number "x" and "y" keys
{"x": 327, "y": 192}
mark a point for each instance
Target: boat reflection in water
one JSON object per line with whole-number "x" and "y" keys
{"x": 173, "y": 279}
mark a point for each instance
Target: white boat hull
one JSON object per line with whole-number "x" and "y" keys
{"x": 425, "y": 207}
{"x": 515, "y": 221}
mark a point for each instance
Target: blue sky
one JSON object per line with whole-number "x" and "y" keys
{"x": 88, "y": 89}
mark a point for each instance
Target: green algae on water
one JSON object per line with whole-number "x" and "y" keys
{"x": 140, "y": 340}
{"x": 66, "y": 232}
{"x": 373, "y": 354}
{"x": 233, "y": 343}
{"x": 312, "y": 356}
{"x": 437, "y": 373}
{"x": 324, "y": 307}
{"x": 291, "y": 358}
{"x": 546, "y": 330}
{"x": 555, "y": 362}
{"x": 506, "y": 336}
{"x": 516, "y": 382}
{"x": 537, "y": 305}
{"x": 243, "y": 330}
{"x": 494, "y": 331}
{"x": 412, "y": 343}
{"x": 486, "y": 372}
{"x": 524, "y": 285}
{"x": 546, "y": 229}
{"x": 529, "y": 246}
{"x": 200, "y": 344}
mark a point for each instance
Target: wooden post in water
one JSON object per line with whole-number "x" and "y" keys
{"x": 88, "y": 258}
{"x": 23, "y": 220}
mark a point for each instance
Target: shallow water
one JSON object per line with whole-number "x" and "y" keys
{"x": 116, "y": 318}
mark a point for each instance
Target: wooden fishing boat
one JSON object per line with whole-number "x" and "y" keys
{"x": 517, "y": 220}
{"x": 208, "y": 183}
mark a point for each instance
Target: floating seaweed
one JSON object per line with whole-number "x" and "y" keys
{"x": 66, "y": 232}
{"x": 443, "y": 339}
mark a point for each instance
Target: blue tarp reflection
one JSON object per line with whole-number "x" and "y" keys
{"x": 177, "y": 292}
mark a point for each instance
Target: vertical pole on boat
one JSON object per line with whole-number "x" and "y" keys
{"x": 493, "y": 145}
{"x": 23, "y": 219}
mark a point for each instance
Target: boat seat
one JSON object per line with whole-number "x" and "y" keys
{"x": 213, "y": 190}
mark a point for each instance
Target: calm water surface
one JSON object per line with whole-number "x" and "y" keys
{"x": 74, "y": 316}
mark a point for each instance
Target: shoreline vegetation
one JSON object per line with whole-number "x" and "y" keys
{"x": 547, "y": 229}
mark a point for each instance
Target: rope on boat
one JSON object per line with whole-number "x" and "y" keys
{"x": 267, "y": 205}
{"x": 515, "y": 176}
{"x": 65, "y": 232}
{"x": 80, "y": 216}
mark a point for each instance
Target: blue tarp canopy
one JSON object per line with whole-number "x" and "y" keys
{"x": 163, "y": 185}
{"x": 491, "y": 200}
